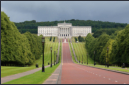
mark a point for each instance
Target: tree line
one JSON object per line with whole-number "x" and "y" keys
{"x": 107, "y": 31}
{"x": 18, "y": 49}
{"x": 117, "y": 52}
{"x": 32, "y": 26}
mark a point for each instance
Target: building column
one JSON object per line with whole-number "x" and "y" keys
{"x": 62, "y": 31}
{"x": 67, "y": 32}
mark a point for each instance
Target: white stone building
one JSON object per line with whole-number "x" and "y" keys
{"x": 64, "y": 30}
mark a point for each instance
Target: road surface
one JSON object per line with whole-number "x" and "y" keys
{"x": 78, "y": 74}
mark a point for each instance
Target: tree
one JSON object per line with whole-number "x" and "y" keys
{"x": 104, "y": 54}
{"x": 16, "y": 48}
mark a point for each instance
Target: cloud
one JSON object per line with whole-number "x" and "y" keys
{"x": 113, "y": 11}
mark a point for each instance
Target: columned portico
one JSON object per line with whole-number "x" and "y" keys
{"x": 64, "y": 32}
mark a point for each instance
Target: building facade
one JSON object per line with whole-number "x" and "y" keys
{"x": 64, "y": 30}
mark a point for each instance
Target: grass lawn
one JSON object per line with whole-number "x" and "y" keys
{"x": 35, "y": 78}
{"x": 73, "y": 40}
{"x": 72, "y": 52}
{"x": 10, "y": 70}
{"x": 60, "y": 52}
{"x": 80, "y": 50}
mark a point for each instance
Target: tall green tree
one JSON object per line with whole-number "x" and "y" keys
{"x": 16, "y": 48}
{"x": 120, "y": 47}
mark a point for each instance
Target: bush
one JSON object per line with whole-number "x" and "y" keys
{"x": 50, "y": 38}
{"x": 81, "y": 39}
{"x": 54, "y": 39}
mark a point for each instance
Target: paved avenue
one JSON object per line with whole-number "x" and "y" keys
{"x": 79, "y": 74}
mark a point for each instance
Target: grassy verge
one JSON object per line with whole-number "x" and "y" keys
{"x": 35, "y": 78}
{"x": 60, "y": 53}
{"x": 10, "y": 70}
{"x": 110, "y": 67}
{"x": 72, "y": 53}
{"x": 73, "y": 40}
{"x": 80, "y": 51}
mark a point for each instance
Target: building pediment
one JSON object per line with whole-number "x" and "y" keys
{"x": 64, "y": 24}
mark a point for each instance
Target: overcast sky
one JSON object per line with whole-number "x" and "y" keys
{"x": 112, "y": 11}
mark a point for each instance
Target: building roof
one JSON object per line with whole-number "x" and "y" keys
{"x": 64, "y": 24}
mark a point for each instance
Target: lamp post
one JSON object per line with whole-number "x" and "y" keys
{"x": 105, "y": 61}
{"x": 87, "y": 59}
{"x": 82, "y": 59}
{"x": 107, "y": 56}
{"x": 57, "y": 56}
{"x": 94, "y": 58}
{"x": 54, "y": 57}
{"x": 79, "y": 59}
{"x": 51, "y": 56}
{"x": 59, "y": 59}
{"x": 43, "y": 41}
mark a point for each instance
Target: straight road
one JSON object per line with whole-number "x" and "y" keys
{"x": 78, "y": 74}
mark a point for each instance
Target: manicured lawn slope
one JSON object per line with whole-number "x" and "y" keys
{"x": 72, "y": 52}
{"x": 112, "y": 68}
{"x": 80, "y": 50}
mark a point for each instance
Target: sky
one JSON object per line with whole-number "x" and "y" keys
{"x": 112, "y": 11}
